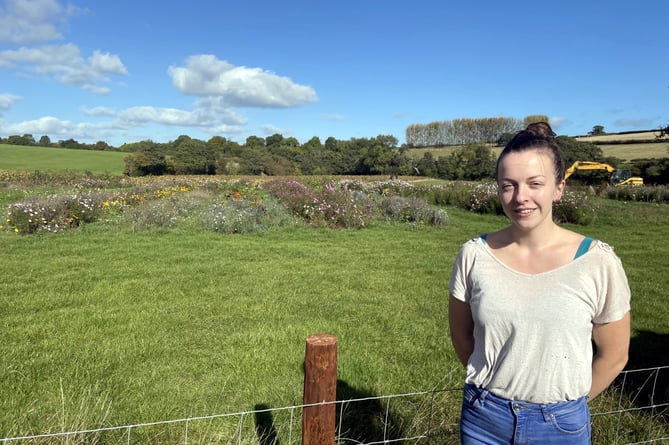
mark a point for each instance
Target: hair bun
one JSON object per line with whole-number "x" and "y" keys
{"x": 541, "y": 130}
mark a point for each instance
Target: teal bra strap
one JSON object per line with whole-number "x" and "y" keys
{"x": 584, "y": 247}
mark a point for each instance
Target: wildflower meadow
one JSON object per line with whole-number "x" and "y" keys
{"x": 245, "y": 205}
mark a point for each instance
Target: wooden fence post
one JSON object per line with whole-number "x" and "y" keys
{"x": 320, "y": 385}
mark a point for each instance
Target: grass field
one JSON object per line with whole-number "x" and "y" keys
{"x": 104, "y": 326}
{"x": 47, "y": 159}
{"x": 619, "y": 146}
{"x": 625, "y": 137}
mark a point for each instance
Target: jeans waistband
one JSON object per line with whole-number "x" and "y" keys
{"x": 485, "y": 395}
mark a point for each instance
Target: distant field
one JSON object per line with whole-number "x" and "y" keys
{"x": 22, "y": 158}
{"x": 640, "y": 136}
{"x": 611, "y": 144}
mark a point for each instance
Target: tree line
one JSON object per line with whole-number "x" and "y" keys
{"x": 466, "y": 131}
{"x": 277, "y": 155}
{"x": 45, "y": 141}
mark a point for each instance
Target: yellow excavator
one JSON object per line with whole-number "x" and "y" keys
{"x": 619, "y": 177}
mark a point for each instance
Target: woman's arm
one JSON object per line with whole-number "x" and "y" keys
{"x": 612, "y": 342}
{"x": 461, "y": 326}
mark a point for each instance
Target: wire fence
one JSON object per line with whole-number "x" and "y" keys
{"x": 634, "y": 411}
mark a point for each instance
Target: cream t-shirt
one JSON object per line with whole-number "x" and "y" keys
{"x": 532, "y": 332}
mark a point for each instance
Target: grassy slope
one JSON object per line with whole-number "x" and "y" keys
{"x": 21, "y": 158}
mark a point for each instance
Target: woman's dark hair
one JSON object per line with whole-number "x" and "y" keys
{"x": 537, "y": 136}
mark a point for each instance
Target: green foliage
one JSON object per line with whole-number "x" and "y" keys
{"x": 597, "y": 130}
{"x": 243, "y": 215}
{"x": 653, "y": 171}
{"x": 413, "y": 211}
{"x": 334, "y": 205}
{"x": 575, "y": 208}
{"x": 484, "y": 199}
{"x": 194, "y": 157}
{"x": 147, "y": 160}
{"x": 52, "y": 213}
{"x": 574, "y": 150}
{"x": 472, "y": 162}
{"x": 657, "y": 194}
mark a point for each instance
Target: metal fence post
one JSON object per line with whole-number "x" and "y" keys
{"x": 320, "y": 385}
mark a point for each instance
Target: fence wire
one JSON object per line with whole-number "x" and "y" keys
{"x": 636, "y": 411}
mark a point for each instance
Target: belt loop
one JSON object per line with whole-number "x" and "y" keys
{"x": 483, "y": 395}
{"x": 545, "y": 412}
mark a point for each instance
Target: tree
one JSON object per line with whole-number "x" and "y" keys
{"x": 597, "y": 130}
{"x": 102, "y": 146}
{"x": 255, "y": 142}
{"x": 26, "y": 139}
{"x": 573, "y": 150}
{"x": 376, "y": 160}
{"x": 194, "y": 157}
{"x": 44, "y": 141}
{"x": 534, "y": 118}
{"x": 472, "y": 162}
{"x": 273, "y": 140}
{"x": 150, "y": 160}
{"x": 426, "y": 166}
{"x": 313, "y": 144}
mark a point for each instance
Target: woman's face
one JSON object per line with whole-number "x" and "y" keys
{"x": 528, "y": 187}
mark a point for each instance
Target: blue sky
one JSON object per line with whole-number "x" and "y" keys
{"x": 129, "y": 70}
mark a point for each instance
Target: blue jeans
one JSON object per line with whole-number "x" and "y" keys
{"x": 488, "y": 419}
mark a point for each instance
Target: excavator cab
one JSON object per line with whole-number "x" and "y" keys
{"x": 624, "y": 177}
{"x": 620, "y": 175}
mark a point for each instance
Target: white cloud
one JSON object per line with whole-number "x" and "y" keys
{"x": 99, "y": 111}
{"x": 166, "y": 116}
{"x": 43, "y": 125}
{"x": 205, "y": 75}
{"x": 558, "y": 122}
{"x": 269, "y": 130}
{"x": 7, "y": 101}
{"x": 29, "y": 21}
{"x": 65, "y": 64}
{"x": 203, "y": 116}
{"x": 106, "y": 63}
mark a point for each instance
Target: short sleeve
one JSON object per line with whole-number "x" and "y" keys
{"x": 458, "y": 283}
{"x": 613, "y": 301}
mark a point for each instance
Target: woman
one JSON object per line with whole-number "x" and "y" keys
{"x": 526, "y": 303}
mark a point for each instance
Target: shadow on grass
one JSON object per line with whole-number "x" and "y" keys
{"x": 366, "y": 419}
{"x": 648, "y": 350}
{"x": 265, "y": 430}
{"x": 360, "y": 418}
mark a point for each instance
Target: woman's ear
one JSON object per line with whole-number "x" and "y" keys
{"x": 559, "y": 189}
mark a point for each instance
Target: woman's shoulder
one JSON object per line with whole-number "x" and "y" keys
{"x": 604, "y": 249}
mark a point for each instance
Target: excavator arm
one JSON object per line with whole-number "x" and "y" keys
{"x": 618, "y": 177}
{"x": 587, "y": 165}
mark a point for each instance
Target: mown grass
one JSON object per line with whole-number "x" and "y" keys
{"x": 105, "y": 326}
{"x": 48, "y": 159}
